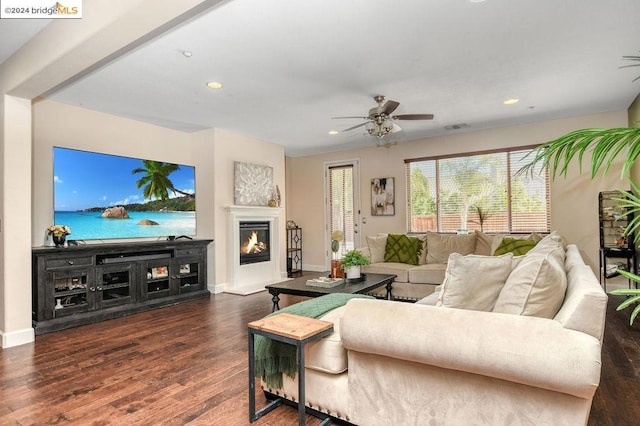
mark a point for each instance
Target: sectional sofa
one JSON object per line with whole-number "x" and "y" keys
{"x": 505, "y": 340}
{"x": 419, "y": 278}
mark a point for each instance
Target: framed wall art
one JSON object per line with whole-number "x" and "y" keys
{"x": 253, "y": 184}
{"x": 383, "y": 197}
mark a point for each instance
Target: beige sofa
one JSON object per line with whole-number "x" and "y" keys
{"x": 391, "y": 363}
{"x": 414, "y": 282}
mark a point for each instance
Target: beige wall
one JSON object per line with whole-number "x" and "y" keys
{"x": 573, "y": 200}
{"x": 15, "y": 227}
{"x": 230, "y": 147}
{"x": 57, "y": 124}
{"x": 634, "y": 113}
{"x": 212, "y": 152}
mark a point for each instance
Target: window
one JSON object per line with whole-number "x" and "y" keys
{"x": 477, "y": 191}
{"x": 341, "y": 218}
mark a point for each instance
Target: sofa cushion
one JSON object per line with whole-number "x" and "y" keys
{"x": 440, "y": 246}
{"x": 497, "y": 239}
{"x": 327, "y": 354}
{"x": 423, "y": 253}
{"x": 377, "y": 246}
{"x": 536, "y": 287}
{"x": 517, "y": 246}
{"x": 402, "y": 249}
{"x": 551, "y": 241}
{"x": 399, "y": 269}
{"x": 431, "y": 273}
{"x": 483, "y": 244}
{"x": 474, "y": 282}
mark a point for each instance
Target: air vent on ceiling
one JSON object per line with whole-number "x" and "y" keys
{"x": 457, "y": 126}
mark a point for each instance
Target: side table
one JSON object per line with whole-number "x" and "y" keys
{"x": 292, "y": 329}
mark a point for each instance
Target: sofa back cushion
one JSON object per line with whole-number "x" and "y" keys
{"x": 474, "y": 282}
{"x": 402, "y": 249}
{"x": 517, "y": 246}
{"x": 377, "y": 247}
{"x": 484, "y": 242}
{"x": 536, "y": 287}
{"x": 440, "y": 246}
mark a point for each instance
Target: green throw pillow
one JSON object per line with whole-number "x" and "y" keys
{"x": 514, "y": 245}
{"x": 402, "y": 249}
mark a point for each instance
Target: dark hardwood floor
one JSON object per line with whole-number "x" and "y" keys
{"x": 187, "y": 364}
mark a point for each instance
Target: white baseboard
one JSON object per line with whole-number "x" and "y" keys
{"x": 17, "y": 338}
{"x": 217, "y": 288}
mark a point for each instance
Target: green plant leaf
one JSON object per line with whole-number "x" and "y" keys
{"x": 605, "y": 146}
{"x": 628, "y": 302}
{"x": 634, "y": 314}
{"x": 630, "y": 276}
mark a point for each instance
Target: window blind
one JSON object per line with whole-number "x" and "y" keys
{"x": 480, "y": 191}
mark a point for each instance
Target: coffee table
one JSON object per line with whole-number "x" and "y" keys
{"x": 299, "y": 287}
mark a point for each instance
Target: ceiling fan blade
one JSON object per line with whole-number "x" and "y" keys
{"x": 360, "y": 117}
{"x": 389, "y": 107}
{"x": 413, "y": 117}
{"x": 356, "y": 126}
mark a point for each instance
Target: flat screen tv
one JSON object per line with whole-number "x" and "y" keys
{"x": 102, "y": 196}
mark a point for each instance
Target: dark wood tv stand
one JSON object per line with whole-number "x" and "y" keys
{"x": 88, "y": 283}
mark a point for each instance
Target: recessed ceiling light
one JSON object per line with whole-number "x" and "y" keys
{"x": 333, "y": 132}
{"x": 214, "y": 85}
{"x": 511, "y": 101}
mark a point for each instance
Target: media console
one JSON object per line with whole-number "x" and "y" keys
{"x": 89, "y": 283}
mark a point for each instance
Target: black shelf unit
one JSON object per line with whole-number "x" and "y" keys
{"x": 614, "y": 243}
{"x": 294, "y": 251}
{"x": 88, "y": 283}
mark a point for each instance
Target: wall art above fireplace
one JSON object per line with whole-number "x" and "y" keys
{"x": 253, "y": 184}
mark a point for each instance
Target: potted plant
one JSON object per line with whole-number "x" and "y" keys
{"x": 605, "y": 145}
{"x": 352, "y": 262}
{"x": 59, "y": 234}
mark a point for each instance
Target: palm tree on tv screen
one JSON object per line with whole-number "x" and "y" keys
{"x": 156, "y": 180}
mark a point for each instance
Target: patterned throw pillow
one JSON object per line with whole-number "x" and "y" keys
{"x": 402, "y": 249}
{"x": 514, "y": 245}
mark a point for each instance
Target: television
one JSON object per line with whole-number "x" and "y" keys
{"x": 103, "y": 196}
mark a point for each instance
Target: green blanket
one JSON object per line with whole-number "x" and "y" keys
{"x": 274, "y": 358}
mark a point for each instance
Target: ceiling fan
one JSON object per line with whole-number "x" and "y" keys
{"x": 380, "y": 122}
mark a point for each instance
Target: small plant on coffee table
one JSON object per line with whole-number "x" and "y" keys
{"x": 352, "y": 262}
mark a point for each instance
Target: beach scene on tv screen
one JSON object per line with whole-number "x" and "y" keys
{"x": 102, "y": 196}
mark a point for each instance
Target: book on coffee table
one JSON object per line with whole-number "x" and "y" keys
{"x": 325, "y": 282}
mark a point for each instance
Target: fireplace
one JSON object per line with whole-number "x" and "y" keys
{"x": 254, "y": 242}
{"x": 252, "y": 277}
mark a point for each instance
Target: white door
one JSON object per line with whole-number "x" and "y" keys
{"x": 342, "y": 191}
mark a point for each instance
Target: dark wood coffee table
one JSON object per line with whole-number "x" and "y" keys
{"x": 299, "y": 287}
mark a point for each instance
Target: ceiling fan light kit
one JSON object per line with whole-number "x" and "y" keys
{"x": 380, "y": 122}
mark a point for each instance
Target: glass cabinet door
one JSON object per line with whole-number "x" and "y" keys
{"x": 188, "y": 274}
{"x": 70, "y": 292}
{"x": 157, "y": 279}
{"x": 114, "y": 285}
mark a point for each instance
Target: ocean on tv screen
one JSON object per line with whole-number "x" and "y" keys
{"x": 90, "y": 225}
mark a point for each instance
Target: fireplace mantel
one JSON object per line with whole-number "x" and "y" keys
{"x": 250, "y": 278}
{"x": 255, "y": 210}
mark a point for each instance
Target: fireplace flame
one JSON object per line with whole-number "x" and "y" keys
{"x": 252, "y": 245}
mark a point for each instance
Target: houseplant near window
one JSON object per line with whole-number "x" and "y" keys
{"x": 605, "y": 146}
{"x": 352, "y": 262}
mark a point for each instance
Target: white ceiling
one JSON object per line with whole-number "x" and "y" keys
{"x": 289, "y": 66}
